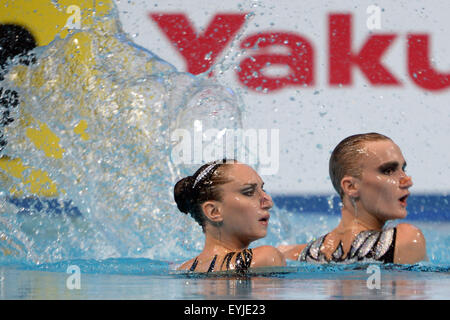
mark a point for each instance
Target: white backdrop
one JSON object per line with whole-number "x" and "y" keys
{"x": 313, "y": 119}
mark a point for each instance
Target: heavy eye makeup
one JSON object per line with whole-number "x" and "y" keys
{"x": 390, "y": 168}
{"x": 250, "y": 189}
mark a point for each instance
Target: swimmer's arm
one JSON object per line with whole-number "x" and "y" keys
{"x": 410, "y": 245}
{"x": 266, "y": 256}
{"x": 292, "y": 251}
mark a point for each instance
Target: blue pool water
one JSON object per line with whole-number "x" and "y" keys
{"x": 144, "y": 278}
{"x": 155, "y": 283}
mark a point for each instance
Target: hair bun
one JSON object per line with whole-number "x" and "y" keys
{"x": 183, "y": 194}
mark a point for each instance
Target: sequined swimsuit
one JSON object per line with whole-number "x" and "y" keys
{"x": 242, "y": 262}
{"x": 368, "y": 245}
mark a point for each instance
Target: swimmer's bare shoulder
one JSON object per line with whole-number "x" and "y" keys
{"x": 293, "y": 251}
{"x": 186, "y": 265}
{"x": 266, "y": 256}
{"x": 410, "y": 244}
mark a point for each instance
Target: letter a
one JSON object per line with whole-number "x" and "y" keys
{"x": 373, "y": 282}
{"x": 374, "y": 20}
{"x": 299, "y": 61}
{"x": 74, "y": 280}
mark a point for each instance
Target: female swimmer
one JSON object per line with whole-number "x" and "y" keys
{"x": 368, "y": 172}
{"x": 227, "y": 199}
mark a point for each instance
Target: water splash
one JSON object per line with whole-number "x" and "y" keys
{"x": 92, "y": 132}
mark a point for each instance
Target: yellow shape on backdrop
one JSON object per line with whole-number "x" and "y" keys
{"x": 46, "y": 140}
{"x": 45, "y": 20}
{"x": 35, "y": 181}
{"x": 80, "y": 129}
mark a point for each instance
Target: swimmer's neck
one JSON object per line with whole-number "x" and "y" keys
{"x": 358, "y": 220}
{"x": 217, "y": 245}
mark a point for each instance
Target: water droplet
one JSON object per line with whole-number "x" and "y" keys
{"x": 208, "y": 56}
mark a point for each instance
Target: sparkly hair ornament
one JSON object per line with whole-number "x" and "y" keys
{"x": 204, "y": 173}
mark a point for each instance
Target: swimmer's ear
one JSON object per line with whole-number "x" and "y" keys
{"x": 212, "y": 211}
{"x": 350, "y": 186}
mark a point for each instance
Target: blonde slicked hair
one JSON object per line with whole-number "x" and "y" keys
{"x": 346, "y": 158}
